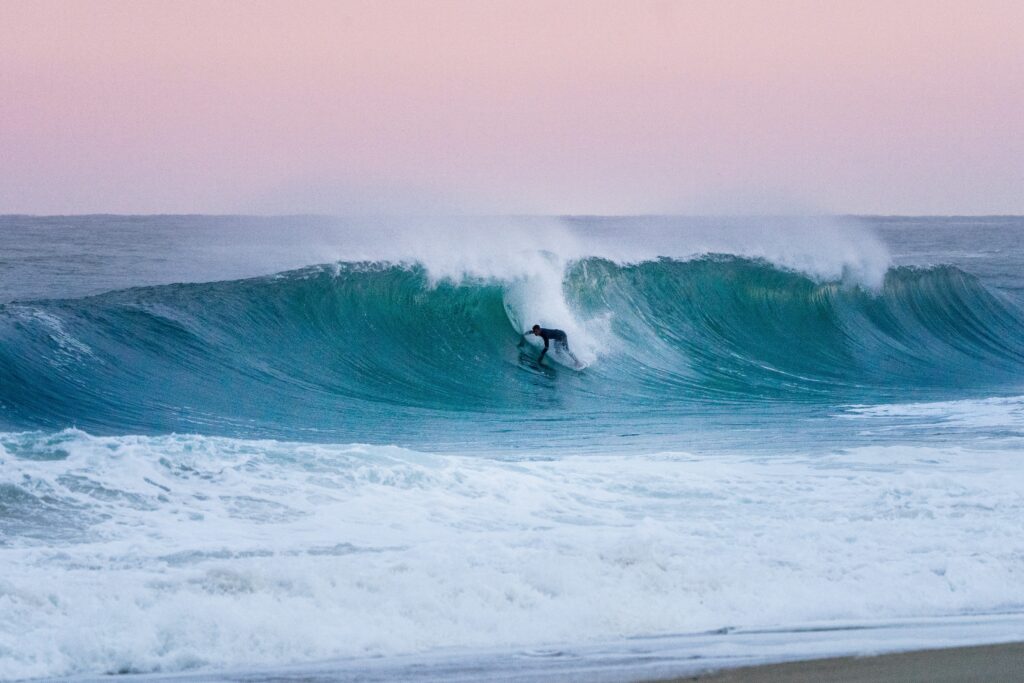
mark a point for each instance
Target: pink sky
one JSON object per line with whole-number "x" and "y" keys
{"x": 531, "y": 107}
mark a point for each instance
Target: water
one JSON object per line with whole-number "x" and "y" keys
{"x": 261, "y": 442}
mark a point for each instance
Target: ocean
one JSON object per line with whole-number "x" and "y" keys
{"x": 274, "y": 447}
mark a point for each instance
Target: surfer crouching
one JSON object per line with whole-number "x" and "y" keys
{"x": 560, "y": 339}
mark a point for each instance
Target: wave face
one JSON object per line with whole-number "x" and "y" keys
{"x": 355, "y": 349}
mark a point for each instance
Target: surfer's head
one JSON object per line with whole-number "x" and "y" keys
{"x": 536, "y": 330}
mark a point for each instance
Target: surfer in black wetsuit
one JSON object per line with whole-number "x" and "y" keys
{"x": 560, "y": 339}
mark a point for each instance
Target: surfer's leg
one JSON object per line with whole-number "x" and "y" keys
{"x": 563, "y": 346}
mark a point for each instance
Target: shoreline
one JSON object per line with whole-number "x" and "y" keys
{"x": 990, "y": 663}
{"x": 875, "y": 655}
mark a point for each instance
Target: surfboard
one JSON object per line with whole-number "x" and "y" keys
{"x": 564, "y": 359}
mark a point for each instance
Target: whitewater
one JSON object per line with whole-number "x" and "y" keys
{"x": 237, "y": 446}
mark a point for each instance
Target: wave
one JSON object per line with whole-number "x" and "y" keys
{"x": 359, "y": 347}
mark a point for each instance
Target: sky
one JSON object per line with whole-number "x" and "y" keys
{"x": 481, "y": 106}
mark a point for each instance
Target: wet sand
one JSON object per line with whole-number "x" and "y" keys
{"x": 986, "y": 663}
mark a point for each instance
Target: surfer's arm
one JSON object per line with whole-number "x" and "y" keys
{"x": 541, "y": 356}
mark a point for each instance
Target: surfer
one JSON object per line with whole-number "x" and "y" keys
{"x": 560, "y": 338}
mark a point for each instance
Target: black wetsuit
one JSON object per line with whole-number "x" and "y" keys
{"x": 559, "y": 337}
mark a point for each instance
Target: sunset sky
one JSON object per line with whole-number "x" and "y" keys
{"x": 524, "y": 107}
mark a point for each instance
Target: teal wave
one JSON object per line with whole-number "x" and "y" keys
{"x": 358, "y": 349}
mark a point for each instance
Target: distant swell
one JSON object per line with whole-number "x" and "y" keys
{"x": 355, "y": 348}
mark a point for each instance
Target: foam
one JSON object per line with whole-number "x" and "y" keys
{"x": 1003, "y": 412}
{"x": 508, "y": 248}
{"x": 174, "y": 552}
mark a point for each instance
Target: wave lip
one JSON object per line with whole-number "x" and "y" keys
{"x": 354, "y": 349}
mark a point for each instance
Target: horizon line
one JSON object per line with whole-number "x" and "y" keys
{"x": 104, "y": 214}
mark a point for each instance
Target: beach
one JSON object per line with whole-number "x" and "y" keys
{"x": 988, "y": 663}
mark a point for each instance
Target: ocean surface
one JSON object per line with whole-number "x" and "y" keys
{"x": 247, "y": 444}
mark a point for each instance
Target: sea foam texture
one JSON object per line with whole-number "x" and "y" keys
{"x": 174, "y": 552}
